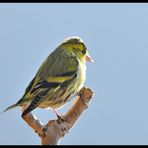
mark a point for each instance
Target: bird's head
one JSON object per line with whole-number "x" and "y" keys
{"x": 76, "y": 47}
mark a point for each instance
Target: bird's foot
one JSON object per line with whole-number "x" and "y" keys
{"x": 60, "y": 122}
{"x": 59, "y": 116}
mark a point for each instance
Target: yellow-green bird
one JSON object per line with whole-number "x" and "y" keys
{"x": 59, "y": 78}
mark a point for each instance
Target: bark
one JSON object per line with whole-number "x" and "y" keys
{"x": 54, "y": 130}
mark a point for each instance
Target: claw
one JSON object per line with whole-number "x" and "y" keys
{"x": 60, "y": 122}
{"x": 59, "y": 116}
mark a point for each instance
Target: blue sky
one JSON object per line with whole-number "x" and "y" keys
{"x": 117, "y": 38}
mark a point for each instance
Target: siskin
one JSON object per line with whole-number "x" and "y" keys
{"x": 59, "y": 78}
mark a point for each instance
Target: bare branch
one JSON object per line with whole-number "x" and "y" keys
{"x": 54, "y": 130}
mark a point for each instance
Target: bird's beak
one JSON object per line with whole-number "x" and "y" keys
{"x": 89, "y": 58}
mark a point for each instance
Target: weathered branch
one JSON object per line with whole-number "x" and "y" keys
{"x": 54, "y": 130}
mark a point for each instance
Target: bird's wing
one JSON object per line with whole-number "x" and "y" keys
{"x": 53, "y": 73}
{"x": 46, "y": 80}
{"x": 55, "y": 66}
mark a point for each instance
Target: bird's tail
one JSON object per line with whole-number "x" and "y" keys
{"x": 11, "y": 107}
{"x": 19, "y": 103}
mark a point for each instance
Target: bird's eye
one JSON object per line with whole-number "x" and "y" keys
{"x": 84, "y": 51}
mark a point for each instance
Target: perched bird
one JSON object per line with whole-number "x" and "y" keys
{"x": 59, "y": 78}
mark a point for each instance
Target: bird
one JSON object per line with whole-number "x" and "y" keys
{"x": 59, "y": 78}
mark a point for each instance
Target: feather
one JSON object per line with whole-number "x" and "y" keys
{"x": 11, "y": 107}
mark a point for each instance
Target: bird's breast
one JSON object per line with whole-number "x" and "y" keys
{"x": 81, "y": 75}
